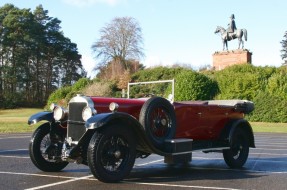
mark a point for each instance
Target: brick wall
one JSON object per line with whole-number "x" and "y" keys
{"x": 224, "y": 59}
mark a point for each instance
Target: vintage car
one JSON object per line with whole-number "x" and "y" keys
{"x": 108, "y": 134}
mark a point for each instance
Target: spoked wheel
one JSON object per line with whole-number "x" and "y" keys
{"x": 43, "y": 153}
{"x": 236, "y": 156}
{"x": 158, "y": 118}
{"x": 112, "y": 153}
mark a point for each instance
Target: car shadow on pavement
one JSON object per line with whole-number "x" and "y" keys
{"x": 165, "y": 173}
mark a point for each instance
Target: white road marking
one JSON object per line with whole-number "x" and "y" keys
{"x": 15, "y": 137}
{"x": 269, "y": 154}
{"x": 38, "y": 175}
{"x": 72, "y": 179}
{"x": 183, "y": 186}
{"x": 14, "y": 150}
{"x": 285, "y": 149}
{"x": 250, "y": 159}
{"x": 239, "y": 170}
{"x": 144, "y": 164}
{"x": 270, "y": 145}
{"x": 1, "y": 156}
{"x": 59, "y": 183}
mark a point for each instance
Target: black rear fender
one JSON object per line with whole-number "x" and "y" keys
{"x": 230, "y": 128}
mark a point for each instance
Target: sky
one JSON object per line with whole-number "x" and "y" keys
{"x": 173, "y": 31}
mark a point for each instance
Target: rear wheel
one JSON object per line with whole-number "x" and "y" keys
{"x": 158, "y": 118}
{"x": 44, "y": 154}
{"x": 112, "y": 153}
{"x": 236, "y": 156}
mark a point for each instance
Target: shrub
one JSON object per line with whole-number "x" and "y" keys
{"x": 153, "y": 74}
{"x": 242, "y": 81}
{"x": 191, "y": 85}
{"x": 59, "y": 96}
{"x": 157, "y": 73}
{"x": 277, "y": 83}
{"x": 80, "y": 84}
{"x": 64, "y": 94}
{"x": 269, "y": 108}
{"x": 77, "y": 88}
{"x": 98, "y": 89}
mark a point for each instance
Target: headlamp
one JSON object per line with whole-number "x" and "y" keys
{"x": 114, "y": 106}
{"x": 88, "y": 112}
{"x": 59, "y": 113}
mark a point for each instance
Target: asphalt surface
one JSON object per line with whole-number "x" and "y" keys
{"x": 266, "y": 168}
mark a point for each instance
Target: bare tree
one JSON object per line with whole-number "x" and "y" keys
{"x": 121, "y": 40}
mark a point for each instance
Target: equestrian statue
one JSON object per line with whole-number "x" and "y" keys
{"x": 231, "y": 33}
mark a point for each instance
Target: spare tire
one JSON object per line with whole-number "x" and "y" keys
{"x": 158, "y": 118}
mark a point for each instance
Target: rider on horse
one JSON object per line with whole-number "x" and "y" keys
{"x": 231, "y": 33}
{"x": 231, "y": 28}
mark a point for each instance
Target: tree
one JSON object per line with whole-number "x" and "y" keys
{"x": 284, "y": 47}
{"x": 35, "y": 56}
{"x": 121, "y": 40}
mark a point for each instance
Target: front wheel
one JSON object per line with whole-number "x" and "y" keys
{"x": 43, "y": 152}
{"x": 236, "y": 156}
{"x": 112, "y": 153}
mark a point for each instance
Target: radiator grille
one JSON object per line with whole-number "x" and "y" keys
{"x": 76, "y": 124}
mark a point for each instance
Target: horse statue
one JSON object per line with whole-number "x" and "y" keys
{"x": 239, "y": 33}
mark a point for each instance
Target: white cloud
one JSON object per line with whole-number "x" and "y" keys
{"x": 89, "y": 65}
{"x": 83, "y": 3}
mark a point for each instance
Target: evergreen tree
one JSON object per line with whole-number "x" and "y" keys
{"x": 35, "y": 56}
{"x": 284, "y": 47}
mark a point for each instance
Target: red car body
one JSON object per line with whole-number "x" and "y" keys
{"x": 108, "y": 134}
{"x": 196, "y": 120}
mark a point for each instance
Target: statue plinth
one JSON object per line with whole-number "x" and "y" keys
{"x": 222, "y": 59}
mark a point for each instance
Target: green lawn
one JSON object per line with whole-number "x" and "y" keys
{"x": 269, "y": 127}
{"x": 15, "y": 121}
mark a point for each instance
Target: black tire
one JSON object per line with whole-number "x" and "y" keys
{"x": 41, "y": 151}
{"x": 112, "y": 153}
{"x": 158, "y": 118}
{"x": 236, "y": 156}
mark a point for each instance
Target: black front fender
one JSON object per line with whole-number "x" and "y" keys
{"x": 123, "y": 119}
{"x": 99, "y": 120}
{"x": 41, "y": 116}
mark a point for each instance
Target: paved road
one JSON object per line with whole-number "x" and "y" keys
{"x": 266, "y": 168}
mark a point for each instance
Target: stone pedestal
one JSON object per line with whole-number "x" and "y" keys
{"x": 224, "y": 59}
